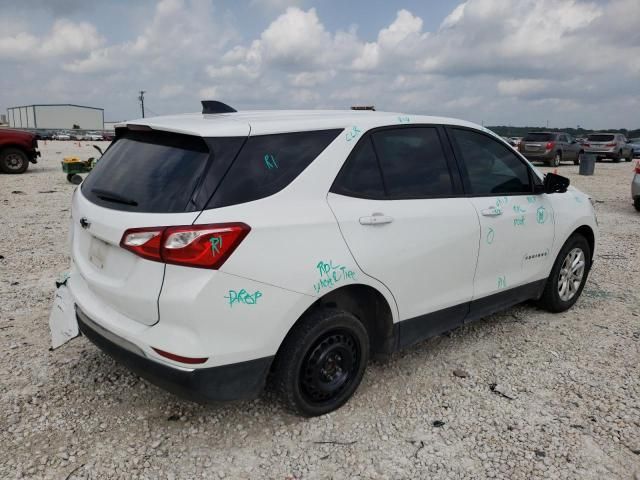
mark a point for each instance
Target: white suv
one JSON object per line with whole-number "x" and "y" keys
{"x": 212, "y": 251}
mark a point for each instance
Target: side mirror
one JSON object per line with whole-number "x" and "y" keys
{"x": 554, "y": 183}
{"x": 574, "y": 141}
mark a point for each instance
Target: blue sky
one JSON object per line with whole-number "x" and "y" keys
{"x": 519, "y": 62}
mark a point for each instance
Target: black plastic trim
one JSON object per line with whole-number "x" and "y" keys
{"x": 417, "y": 329}
{"x": 236, "y": 381}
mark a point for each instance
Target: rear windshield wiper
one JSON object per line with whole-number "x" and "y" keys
{"x": 113, "y": 197}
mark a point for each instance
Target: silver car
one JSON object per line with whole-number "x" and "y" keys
{"x": 609, "y": 145}
{"x": 635, "y": 188}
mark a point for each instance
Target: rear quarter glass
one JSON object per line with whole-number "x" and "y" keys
{"x": 268, "y": 163}
{"x": 155, "y": 172}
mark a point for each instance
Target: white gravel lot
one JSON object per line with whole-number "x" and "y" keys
{"x": 573, "y": 379}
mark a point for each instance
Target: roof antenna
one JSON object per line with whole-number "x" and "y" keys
{"x": 213, "y": 106}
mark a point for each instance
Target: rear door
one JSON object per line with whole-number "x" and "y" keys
{"x": 145, "y": 179}
{"x": 517, "y": 225}
{"x": 399, "y": 206}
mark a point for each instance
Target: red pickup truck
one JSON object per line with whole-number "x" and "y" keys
{"x": 17, "y": 149}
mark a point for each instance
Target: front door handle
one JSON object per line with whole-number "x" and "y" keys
{"x": 376, "y": 219}
{"x": 491, "y": 211}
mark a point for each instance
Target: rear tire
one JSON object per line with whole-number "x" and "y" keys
{"x": 321, "y": 362}
{"x": 567, "y": 278}
{"x": 555, "y": 161}
{"x": 618, "y": 157}
{"x": 630, "y": 157}
{"x": 13, "y": 160}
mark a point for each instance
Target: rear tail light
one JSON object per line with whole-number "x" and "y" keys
{"x": 638, "y": 168}
{"x": 586, "y": 144}
{"x": 202, "y": 246}
{"x": 549, "y": 145}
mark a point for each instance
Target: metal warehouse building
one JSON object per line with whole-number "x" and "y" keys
{"x": 56, "y": 117}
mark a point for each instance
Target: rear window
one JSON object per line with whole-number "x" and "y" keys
{"x": 600, "y": 138}
{"x": 268, "y": 163}
{"x": 155, "y": 172}
{"x": 538, "y": 137}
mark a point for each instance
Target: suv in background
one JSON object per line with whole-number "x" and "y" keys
{"x": 17, "y": 149}
{"x": 551, "y": 148}
{"x": 210, "y": 250}
{"x": 609, "y": 145}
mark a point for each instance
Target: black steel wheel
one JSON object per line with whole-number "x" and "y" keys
{"x": 321, "y": 362}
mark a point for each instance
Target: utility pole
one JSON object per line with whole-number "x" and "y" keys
{"x": 141, "y": 98}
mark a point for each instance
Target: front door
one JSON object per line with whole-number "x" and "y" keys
{"x": 406, "y": 223}
{"x": 517, "y": 226}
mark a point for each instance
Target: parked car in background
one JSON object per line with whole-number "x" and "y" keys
{"x": 635, "y": 188}
{"x": 75, "y": 135}
{"x": 551, "y": 148}
{"x": 92, "y": 136}
{"x": 61, "y": 136}
{"x": 17, "y": 149}
{"x": 251, "y": 246}
{"x": 634, "y": 143}
{"x": 614, "y": 146}
{"x": 108, "y": 135}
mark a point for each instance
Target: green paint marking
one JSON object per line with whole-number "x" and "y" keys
{"x": 541, "y": 215}
{"x": 531, "y": 199}
{"x": 331, "y": 275}
{"x": 402, "y": 119}
{"x": 353, "y": 133}
{"x": 491, "y": 234}
{"x": 501, "y": 201}
{"x": 270, "y": 161}
{"x": 243, "y": 297}
{"x": 519, "y": 209}
{"x": 216, "y": 244}
{"x": 518, "y": 221}
{"x": 502, "y": 282}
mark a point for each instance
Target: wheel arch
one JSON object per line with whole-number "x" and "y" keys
{"x": 587, "y": 232}
{"x": 369, "y": 305}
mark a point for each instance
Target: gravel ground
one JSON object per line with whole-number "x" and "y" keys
{"x": 567, "y": 404}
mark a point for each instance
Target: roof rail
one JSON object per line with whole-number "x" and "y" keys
{"x": 213, "y": 106}
{"x": 363, "y": 107}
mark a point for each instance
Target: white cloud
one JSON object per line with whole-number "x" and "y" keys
{"x": 495, "y": 60}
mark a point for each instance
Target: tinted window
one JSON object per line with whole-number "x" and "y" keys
{"x": 148, "y": 172}
{"x": 538, "y": 137}
{"x": 413, "y": 163}
{"x": 492, "y": 168}
{"x": 600, "y": 138}
{"x": 268, "y": 163}
{"x": 360, "y": 175}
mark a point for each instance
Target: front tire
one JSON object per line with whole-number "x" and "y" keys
{"x": 578, "y": 158}
{"x": 568, "y": 275}
{"x": 13, "y": 160}
{"x": 321, "y": 362}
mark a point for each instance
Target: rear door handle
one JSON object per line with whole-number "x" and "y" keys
{"x": 376, "y": 219}
{"x": 491, "y": 211}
